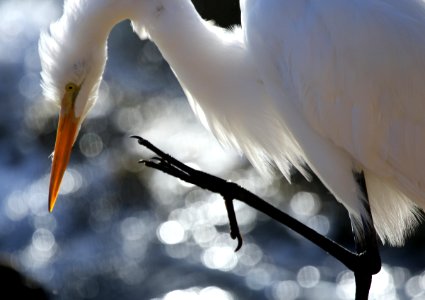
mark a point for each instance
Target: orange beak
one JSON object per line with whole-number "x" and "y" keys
{"x": 67, "y": 131}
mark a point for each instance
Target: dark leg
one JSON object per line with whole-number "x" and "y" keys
{"x": 365, "y": 263}
{"x": 367, "y": 249}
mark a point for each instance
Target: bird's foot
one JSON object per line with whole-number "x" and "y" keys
{"x": 168, "y": 164}
{"x": 365, "y": 263}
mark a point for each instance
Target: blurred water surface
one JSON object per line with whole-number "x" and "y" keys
{"x": 121, "y": 231}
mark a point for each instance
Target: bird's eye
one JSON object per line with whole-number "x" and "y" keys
{"x": 70, "y": 87}
{"x": 70, "y": 95}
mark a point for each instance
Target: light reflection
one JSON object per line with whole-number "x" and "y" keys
{"x": 40, "y": 250}
{"x": 207, "y": 212}
{"x": 422, "y": 280}
{"x": 346, "y": 285}
{"x": 319, "y": 223}
{"x": 413, "y": 287}
{"x": 91, "y": 144}
{"x": 247, "y": 216}
{"x": 251, "y": 254}
{"x": 308, "y": 276}
{"x": 215, "y": 210}
{"x": 16, "y": 207}
{"x": 196, "y": 293}
{"x": 171, "y": 232}
{"x": 286, "y": 290}
{"x": 132, "y": 228}
{"x": 29, "y": 86}
{"x": 189, "y": 294}
{"x": 258, "y": 278}
{"x": 214, "y": 293}
{"x": 205, "y": 235}
{"x": 223, "y": 258}
{"x": 71, "y": 182}
{"x": 37, "y": 116}
{"x": 128, "y": 119}
{"x": 400, "y": 275}
{"x": 13, "y": 24}
{"x": 17, "y": 29}
{"x": 164, "y": 188}
{"x": 43, "y": 240}
{"x": 20, "y": 204}
{"x": 305, "y": 204}
{"x": 251, "y": 180}
{"x": 187, "y": 217}
{"x": 383, "y": 285}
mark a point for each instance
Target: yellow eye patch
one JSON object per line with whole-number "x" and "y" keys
{"x": 71, "y": 92}
{"x": 70, "y": 87}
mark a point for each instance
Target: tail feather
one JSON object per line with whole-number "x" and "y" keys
{"x": 394, "y": 215}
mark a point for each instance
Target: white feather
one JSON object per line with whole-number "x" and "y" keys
{"x": 332, "y": 84}
{"x": 353, "y": 74}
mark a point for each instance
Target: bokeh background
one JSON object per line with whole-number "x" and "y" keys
{"x": 122, "y": 231}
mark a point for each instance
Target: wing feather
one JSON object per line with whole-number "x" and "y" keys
{"x": 351, "y": 74}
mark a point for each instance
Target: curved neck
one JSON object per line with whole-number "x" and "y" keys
{"x": 94, "y": 19}
{"x": 182, "y": 36}
{"x": 210, "y": 63}
{"x": 169, "y": 23}
{"x": 204, "y": 57}
{"x": 188, "y": 43}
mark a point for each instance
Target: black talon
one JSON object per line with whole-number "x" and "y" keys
{"x": 138, "y": 138}
{"x": 240, "y": 242}
{"x": 233, "y": 222}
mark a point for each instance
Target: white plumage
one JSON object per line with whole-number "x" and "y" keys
{"x": 333, "y": 84}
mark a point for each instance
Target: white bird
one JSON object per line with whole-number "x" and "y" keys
{"x": 335, "y": 85}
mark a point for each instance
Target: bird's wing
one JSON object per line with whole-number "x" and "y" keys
{"x": 351, "y": 73}
{"x": 360, "y": 83}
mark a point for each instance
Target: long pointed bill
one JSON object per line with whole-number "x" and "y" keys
{"x": 67, "y": 130}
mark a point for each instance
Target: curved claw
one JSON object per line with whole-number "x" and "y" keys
{"x": 233, "y": 222}
{"x": 237, "y": 236}
{"x": 138, "y": 138}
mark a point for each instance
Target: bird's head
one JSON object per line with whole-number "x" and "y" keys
{"x": 73, "y": 57}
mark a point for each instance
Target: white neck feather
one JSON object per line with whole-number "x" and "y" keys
{"x": 216, "y": 73}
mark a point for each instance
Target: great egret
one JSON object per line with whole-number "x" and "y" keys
{"x": 335, "y": 85}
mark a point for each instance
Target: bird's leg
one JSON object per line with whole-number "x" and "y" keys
{"x": 172, "y": 166}
{"x": 367, "y": 249}
{"x": 364, "y": 264}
